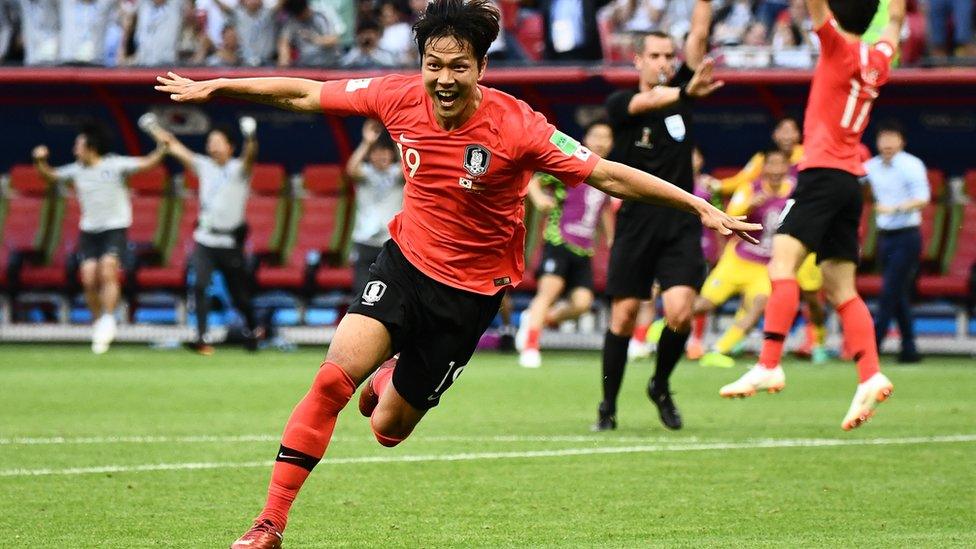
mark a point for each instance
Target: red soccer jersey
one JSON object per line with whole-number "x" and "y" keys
{"x": 463, "y": 204}
{"x": 845, "y": 84}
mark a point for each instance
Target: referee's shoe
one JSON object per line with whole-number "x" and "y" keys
{"x": 666, "y": 409}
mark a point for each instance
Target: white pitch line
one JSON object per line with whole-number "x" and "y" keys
{"x": 122, "y": 439}
{"x": 644, "y": 449}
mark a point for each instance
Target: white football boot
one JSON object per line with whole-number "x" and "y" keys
{"x": 869, "y": 394}
{"x": 758, "y": 378}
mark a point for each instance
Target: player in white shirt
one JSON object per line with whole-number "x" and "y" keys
{"x": 100, "y": 182}
{"x": 221, "y": 230}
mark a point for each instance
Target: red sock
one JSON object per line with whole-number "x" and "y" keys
{"x": 780, "y": 312}
{"x": 640, "y": 332}
{"x": 858, "y": 327}
{"x": 698, "y": 327}
{"x": 381, "y": 379}
{"x": 305, "y": 439}
{"x": 532, "y": 341}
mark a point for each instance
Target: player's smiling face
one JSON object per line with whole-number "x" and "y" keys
{"x": 451, "y": 73}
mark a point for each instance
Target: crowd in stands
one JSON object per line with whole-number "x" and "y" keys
{"x": 377, "y": 33}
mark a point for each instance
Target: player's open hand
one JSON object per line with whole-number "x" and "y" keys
{"x": 725, "y": 224}
{"x": 703, "y": 82}
{"x": 184, "y": 90}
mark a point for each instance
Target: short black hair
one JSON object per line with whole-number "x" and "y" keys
{"x": 97, "y": 137}
{"x": 891, "y": 125}
{"x": 787, "y": 118}
{"x": 295, "y": 7}
{"x": 466, "y": 21}
{"x": 854, "y": 16}
{"x": 368, "y": 24}
{"x": 227, "y": 131}
{"x": 641, "y": 37}
{"x": 384, "y": 142}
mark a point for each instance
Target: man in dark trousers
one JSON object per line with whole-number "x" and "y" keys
{"x": 653, "y": 133}
{"x": 901, "y": 189}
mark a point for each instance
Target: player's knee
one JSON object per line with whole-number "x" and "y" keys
{"x": 387, "y": 430}
{"x": 679, "y": 321}
{"x": 332, "y": 387}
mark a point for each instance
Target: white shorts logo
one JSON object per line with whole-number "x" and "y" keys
{"x": 373, "y": 292}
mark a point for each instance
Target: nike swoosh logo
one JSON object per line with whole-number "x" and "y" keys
{"x": 407, "y": 139}
{"x": 282, "y": 455}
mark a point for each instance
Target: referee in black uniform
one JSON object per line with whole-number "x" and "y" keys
{"x": 652, "y": 132}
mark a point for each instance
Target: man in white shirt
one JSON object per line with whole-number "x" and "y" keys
{"x": 39, "y": 31}
{"x": 221, "y": 228}
{"x": 99, "y": 180}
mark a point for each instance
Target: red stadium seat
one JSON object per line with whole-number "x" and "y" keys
{"x": 936, "y": 182}
{"x": 722, "y": 172}
{"x": 25, "y": 219}
{"x": 267, "y": 179}
{"x": 529, "y": 35}
{"x": 958, "y": 258}
{"x": 170, "y": 274}
{"x": 150, "y": 211}
{"x": 52, "y": 271}
{"x": 323, "y": 179}
{"x": 970, "y": 183}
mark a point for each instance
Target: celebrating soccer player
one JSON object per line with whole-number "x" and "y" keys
{"x": 653, "y": 133}
{"x": 99, "y": 180}
{"x": 219, "y": 236}
{"x": 826, "y": 207}
{"x": 468, "y": 153}
{"x": 565, "y": 267}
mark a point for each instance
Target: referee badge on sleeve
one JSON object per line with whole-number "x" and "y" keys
{"x": 676, "y": 127}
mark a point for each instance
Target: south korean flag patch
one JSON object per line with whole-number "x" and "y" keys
{"x": 676, "y": 127}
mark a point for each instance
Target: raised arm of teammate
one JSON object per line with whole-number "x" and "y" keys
{"x": 249, "y": 153}
{"x": 819, "y": 12}
{"x": 40, "y": 155}
{"x": 696, "y": 44}
{"x": 152, "y": 159}
{"x": 371, "y": 132}
{"x": 629, "y": 183}
{"x": 896, "y": 17}
{"x": 294, "y": 94}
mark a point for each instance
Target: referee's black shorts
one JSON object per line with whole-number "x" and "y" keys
{"x": 652, "y": 243}
{"x": 434, "y": 327}
{"x": 824, "y": 213}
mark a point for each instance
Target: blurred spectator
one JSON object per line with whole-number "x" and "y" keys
{"x": 901, "y": 189}
{"x": 793, "y": 27}
{"x": 255, "y": 24}
{"x": 960, "y": 13}
{"x": 677, "y": 18}
{"x": 193, "y": 38}
{"x": 636, "y": 15}
{"x": 215, "y": 19}
{"x": 40, "y": 31}
{"x": 570, "y": 29}
{"x": 84, "y": 24}
{"x": 731, "y": 23}
{"x": 157, "y": 31}
{"x": 344, "y": 13}
{"x": 374, "y": 167}
{"x": 227, "y": 54}
{"x": 417, "y": 8}
{"x": 397, "y": 35}
{"x": 311, "y": 34}
{"x": 9, "y": 21}
{"x": 116, "y": 33}
{"x": 506, "y": 46}
{"x": 755, "y": 34}
{"x": 367, "y": 53}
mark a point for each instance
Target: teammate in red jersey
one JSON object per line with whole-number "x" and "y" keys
{"x": 468, "y": 153}
{"x": 825, "y": 209}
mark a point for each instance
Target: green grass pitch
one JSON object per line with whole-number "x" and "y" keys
{"x": 142, "y": 448}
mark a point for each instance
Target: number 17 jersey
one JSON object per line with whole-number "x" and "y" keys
{"x": 845, "y": 85}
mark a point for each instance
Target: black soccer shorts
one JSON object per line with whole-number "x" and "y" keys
{"x": 94, "y": 245}
{"x": 434, "y": 327}
{"x": 576, "y": 270}
{"x": 824, "y": 213}
{"x": 667, "y": 249}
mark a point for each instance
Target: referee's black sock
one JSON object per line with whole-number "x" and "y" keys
{"x": 669, "y": 350}
{"x": 614, "y": 362}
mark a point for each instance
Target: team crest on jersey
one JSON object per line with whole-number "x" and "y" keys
{"x": 676, "y": 127}
{"x": 476, "y": 160}
{"x": 373, "y": 292}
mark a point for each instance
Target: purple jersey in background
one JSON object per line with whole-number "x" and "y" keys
{"x": 572, "y": 223}
{"x": 768, "y": 214}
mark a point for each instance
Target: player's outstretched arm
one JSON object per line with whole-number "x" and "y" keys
{"x": 152, "y": 159}
{"x": 629, "y": 183}
{"x": 542, "y": 201}
{"x": 696, "y": 44}
{"x": 293, "y": 94}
